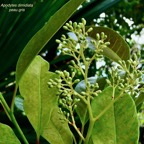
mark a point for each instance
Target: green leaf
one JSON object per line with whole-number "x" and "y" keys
{"x": 81, "y": 87}
{"x": 118, "y": 48}
{"x": 39, "y": 100}
{"x": 40, "y": 39}
{"x": 57, "y": 130}
{"x": 139, "y": 99}
{"x": 119, "y": 123}
{"x": 81, "y": 110}
{"x": 19, "y": 27}
{"x": 7, "y": 135}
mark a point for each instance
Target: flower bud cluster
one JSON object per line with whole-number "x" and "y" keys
{"x": 67, "y": 95}
{"x": 71, "y": 46}
{"x": 93, "y": 90}
{"x": 100, "y": 43}
{"x": 131, "y": 79}
{"x": 115, "y": 79}
{"x": 68, "y": 105}
{"x": 78, "y": 47}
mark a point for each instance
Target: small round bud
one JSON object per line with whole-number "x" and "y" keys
{"x": 83, "y": 93}
{"x": 93, "y": 42}
{"x": 70, "y": 22}
{"x": 77, "y": 80}
{"x": 54, "y": 83}
{"x": 107, "y": 43}
{"x": 73, "y": 62}
{"x": 96, "y": 85}
{"x": 69, "y": 80}
{"x": 66, "y": 74}
{"x": 102, "y": 35}
{"x": 69, "y": 107}
{"x": 95, "y": 94}
{"x": 67, "y": 114}
{"x": 65, "y": 91}
{"x": 76, "y": 100}
{"x": 83, "y": 21}
{"x": 108, "y": 81}
{"x": 87, "y": 59}
{"x": 67, "y": 24}
{"x": 63, "y": 37}
{"x": 58, "y": 41}
{"x": 60, "y": 91}
{"x": 97, "y": 36}
{"x": 49, "y": 83}
{"x": 121, "y": 85}
{"x": 90, "y": 29}
{"x": 65, "y": 27}
{"x": 58, "y": 80}
{"x": 75, "y": 24}
{"x": 81, "y": 25}
{"x": 73, "y": 74}
{"x": 75, "y": 106}
{"x": 58, "y": 72}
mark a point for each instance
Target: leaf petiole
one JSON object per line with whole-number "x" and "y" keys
{"x": 12, "y": 118}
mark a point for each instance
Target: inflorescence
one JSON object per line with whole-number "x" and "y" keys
{"x": 77, "y": 47}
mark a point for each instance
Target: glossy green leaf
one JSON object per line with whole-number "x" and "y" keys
{"x": 39, "y": 99}
{"x": 81, "y": 87}
{"x": 139, "y": 99}
{"x": 57, "y": 130}
{"x": 40, "y": 39}
{"x": 118, "y": 48}
{"x": 118, "y": 124}
{"x": 7, "y": 135}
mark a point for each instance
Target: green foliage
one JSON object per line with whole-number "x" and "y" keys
{"x": 17, "y": 28}
{"x": 39, "y": 101}
{"x": 104, "y": 112}
{"x": 57, "y": 130}
{"x": 117, "y": 44}
{"x": 40, "y": 39}
{"x": 120, "y": 113}
{"x": 125, "y": 17}
{"x": 7, "y": 135}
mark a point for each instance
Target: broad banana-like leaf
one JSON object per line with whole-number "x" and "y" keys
{"x": 39, "y": 99}
{"x": 116, "y": 120}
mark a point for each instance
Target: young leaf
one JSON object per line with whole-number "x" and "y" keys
{"x": 40, "y": 39}
{"x": 39, "y": 100}
{"x": 7, "y": 135}
{"x": 119, "y": 123}
{"x": 57, "y": 130}
{"x": 118, "y": 48}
